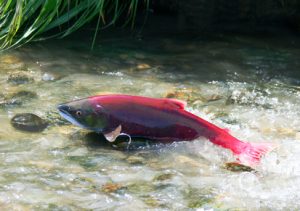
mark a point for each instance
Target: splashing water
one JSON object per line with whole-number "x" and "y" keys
{"x": 253, "y": 91}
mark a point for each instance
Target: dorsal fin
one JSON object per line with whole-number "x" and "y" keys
{"x": 178, "y": 104}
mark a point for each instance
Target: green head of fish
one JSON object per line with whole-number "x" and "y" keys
{"x": 84, "y": 114}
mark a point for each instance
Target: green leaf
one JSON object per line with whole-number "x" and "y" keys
{"x": 24, "y": 20}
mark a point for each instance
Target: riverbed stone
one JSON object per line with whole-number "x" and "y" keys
{"x": 11, "y": 62}
{"x": 184, "y": 94}
{"x": 143, "y": 66}
{"x": 198, "y": 197}
{"x": 28, "y": 122}
{"x": 191, "y": 96}
{"x": 153, "y": 201}
{"x": 237, "y": 167}
{"x": 9, "y": 59}
{"x": 140, "y": 187}
{"x": 21, "y": 96}
{"x": 17, "y": 98}
{"x": 2, "y": 100}
{"x": 135, "y": 160}
{"x": 187, "y": 161}
{"x": 111, "y": 187}
{"x": 24, "y": 94}
{"x": 163, "y": 177}
{"x": 19, "y": 77}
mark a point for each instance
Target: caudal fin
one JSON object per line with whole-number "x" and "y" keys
{"x": 253, "y": 152}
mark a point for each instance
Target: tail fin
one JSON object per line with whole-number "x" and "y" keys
{"x": 253, "y": 152}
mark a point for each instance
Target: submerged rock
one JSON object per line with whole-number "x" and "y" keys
{"x": 153, "y": 201}
{"x": 111, "y": 187}
{"x": 237, "y": 167}
{"x": 182, "y": 94}
{"x": 135, "y": 160}
{"x": 28, "y": 122}
{"x": 17, "y": 98}
{"x": 143, "y": 66}
{"x": 163, "y": 177}
{"x": 24, "y": 94}
{"x": 11, "y": 62}
{"x": 21, "y": 96}
{"x": 198, "y": 197}
{"x": 191, "y": 96}
{"x": 187, "y": 161}
{"x": 2, "y": 100}
{"x": 9, "y": 59}
{"x": 18, "y": 78}
{"x": 140, "y": 187}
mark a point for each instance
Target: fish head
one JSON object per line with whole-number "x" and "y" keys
{"x": 84, "y": 114}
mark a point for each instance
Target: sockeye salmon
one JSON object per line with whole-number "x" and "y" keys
{"x": 160, "y": 119}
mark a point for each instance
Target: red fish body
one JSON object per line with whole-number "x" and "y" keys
{"x": 160, "y": 119}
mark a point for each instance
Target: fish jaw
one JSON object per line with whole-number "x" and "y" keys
{"x": 67, "y": 111}
{"x": 64, "y": 112}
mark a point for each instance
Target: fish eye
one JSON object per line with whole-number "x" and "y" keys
{"x": 78, "y": 113}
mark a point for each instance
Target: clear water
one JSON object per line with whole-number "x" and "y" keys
{"x": 250, "y": 86}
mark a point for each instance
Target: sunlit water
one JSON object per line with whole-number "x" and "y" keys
{"x": 249, "y": 86}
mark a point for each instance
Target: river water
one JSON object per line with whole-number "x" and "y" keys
{"x": 249, "y": 85}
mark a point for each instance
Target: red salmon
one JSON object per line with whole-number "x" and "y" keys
{"x": 159, "y": 119}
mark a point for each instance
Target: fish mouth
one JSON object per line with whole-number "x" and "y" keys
{"x": 63, "y": 108}
{"x": 64, "y": 112}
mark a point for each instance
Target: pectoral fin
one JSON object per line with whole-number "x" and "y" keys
{"x": 111, "y": 136}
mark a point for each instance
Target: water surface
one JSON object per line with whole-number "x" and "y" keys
{"x": 248, "y": 85}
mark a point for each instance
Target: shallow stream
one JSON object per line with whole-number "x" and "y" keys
{"x": 250, "y": 86}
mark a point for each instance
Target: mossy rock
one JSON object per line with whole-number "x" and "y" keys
{"x": 237, "y": 167}
{"x": 197, "y": 198}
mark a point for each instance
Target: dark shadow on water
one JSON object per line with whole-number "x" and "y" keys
{"x": 96, "y": 140}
